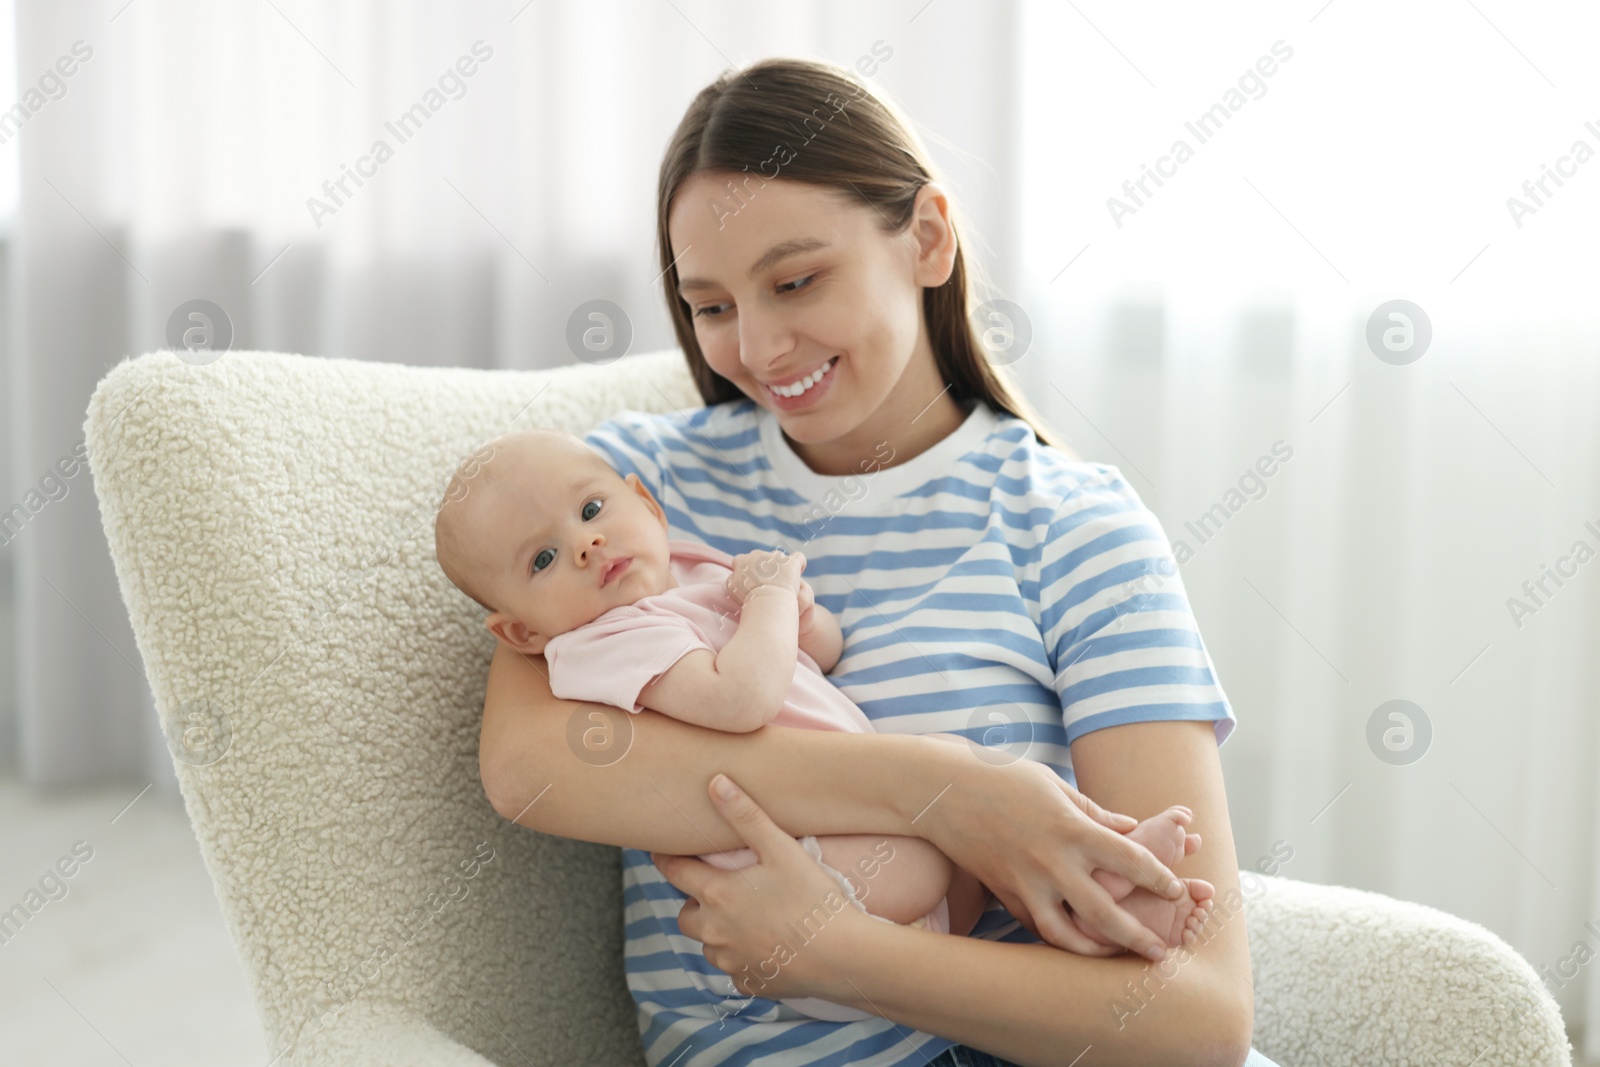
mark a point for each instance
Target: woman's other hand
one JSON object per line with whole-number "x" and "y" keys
{"x": 1035, "y": 842}
{"x": 746, "y": 919}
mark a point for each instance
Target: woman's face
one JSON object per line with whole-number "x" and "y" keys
{"x": 796, "y": 281}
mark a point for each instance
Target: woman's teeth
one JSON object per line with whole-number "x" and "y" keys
{"x": 804, "y": 383}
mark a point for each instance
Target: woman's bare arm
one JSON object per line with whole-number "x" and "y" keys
{"x": 1024, "y": 833}
{"x": 1143, "y": 768}
{"x": 1034, "y": 1004}
{"x": 654, "y": 797}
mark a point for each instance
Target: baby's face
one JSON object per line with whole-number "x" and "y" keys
{"x": 565, "y": 540}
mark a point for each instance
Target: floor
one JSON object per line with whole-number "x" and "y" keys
{"x": 133, "y": 965}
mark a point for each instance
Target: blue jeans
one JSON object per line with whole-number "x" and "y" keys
{"x": 962, "y": 1056}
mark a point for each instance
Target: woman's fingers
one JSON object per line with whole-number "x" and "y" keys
{"x": 754, "y": 826}
{"x": 1101, "y": 912}
{"x": 688, "y": 874}
{"x": 1057, "y": 928}
{"x": 692, "y": 876}
{"x": 1072, "y": 939}
{"x": 1118, "y": 822}
{"x": 1139, "y": 865}
{"x": 1059, "y": 931}
{"x": 689, "y": 920}
{"x": 1018, "y": 911}
{"x": 1128, "y": 858}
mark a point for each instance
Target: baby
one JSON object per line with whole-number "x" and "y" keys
{"x": 575, "y": 563}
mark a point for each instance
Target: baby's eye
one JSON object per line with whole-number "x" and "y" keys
{"x": 547, "y": 555}
{"x": 588, "y": 514}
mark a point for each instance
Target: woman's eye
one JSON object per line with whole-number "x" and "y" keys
{"x": 713, "y": 311}
{"x": 543, "y": 558}
{"x": 588, "y": 513}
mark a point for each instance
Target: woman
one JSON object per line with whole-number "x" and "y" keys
{"x": 988, "y": 585}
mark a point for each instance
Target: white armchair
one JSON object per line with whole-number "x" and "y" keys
{"x": 320, "y": 683}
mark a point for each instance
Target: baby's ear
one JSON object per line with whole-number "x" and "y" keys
{"x": 639, "y": 487}
{"x": 515, "y": 634}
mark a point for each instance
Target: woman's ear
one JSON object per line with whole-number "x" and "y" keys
{"x": 515, "y": 634}
{"x": 933, "y": 236}
{"x": 656, "y": 509}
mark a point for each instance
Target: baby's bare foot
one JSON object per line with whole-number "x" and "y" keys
{"x": 1175, "y": 921}
{"x": 1164, "y": 835}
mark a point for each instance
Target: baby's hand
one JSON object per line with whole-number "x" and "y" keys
{"x": 752, "y": 570}
{"x": 807, "y": 600}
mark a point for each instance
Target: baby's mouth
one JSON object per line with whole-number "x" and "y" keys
{"x": 614, "y": 570}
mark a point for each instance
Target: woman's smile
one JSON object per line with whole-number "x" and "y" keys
{"x": 802, "y": 392}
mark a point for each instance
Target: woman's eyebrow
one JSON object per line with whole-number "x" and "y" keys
{"x": 778, "y": 252}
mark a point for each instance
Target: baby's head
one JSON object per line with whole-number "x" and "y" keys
{"x": 546, "y": 536}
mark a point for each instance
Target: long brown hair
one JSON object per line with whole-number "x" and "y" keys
{"x": 732, "y": 126}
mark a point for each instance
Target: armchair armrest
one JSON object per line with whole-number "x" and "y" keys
{"x": 1346, "y": 976}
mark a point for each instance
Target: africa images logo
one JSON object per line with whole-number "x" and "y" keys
{"x": 407, "y": 125}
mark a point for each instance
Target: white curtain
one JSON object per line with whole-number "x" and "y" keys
{"x": 197, "y": 151}
{"x": 1223, "y": 321}
{"x": 1183, "y": 334}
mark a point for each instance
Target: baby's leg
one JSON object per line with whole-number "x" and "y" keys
{"x": 968, "y": 897}
{"x": 899, "y": 878}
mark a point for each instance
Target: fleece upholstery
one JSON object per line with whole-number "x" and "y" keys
{"x": 320, "y": 684}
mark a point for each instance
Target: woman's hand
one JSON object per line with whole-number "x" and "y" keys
{"x": 747, "y": 919}
{"x": 1035, "y": 842}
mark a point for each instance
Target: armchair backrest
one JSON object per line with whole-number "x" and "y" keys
{"x": 320, "y": 684}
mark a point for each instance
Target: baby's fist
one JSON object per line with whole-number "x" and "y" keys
{"x": 753, "y": 570}
{"x": 807, "y": 601}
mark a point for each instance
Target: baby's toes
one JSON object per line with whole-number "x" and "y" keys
{"x": 1164, "y": 835}
{"x": 1179, "y": 815}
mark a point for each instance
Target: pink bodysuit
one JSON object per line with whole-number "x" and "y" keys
{"x": 612, "y": 658}
{"x": 609, "y": 660}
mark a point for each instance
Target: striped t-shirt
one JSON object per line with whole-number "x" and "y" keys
{"x": 990, "y": 587}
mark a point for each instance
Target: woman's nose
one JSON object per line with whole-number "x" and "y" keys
{"x": 764, "y": 338}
